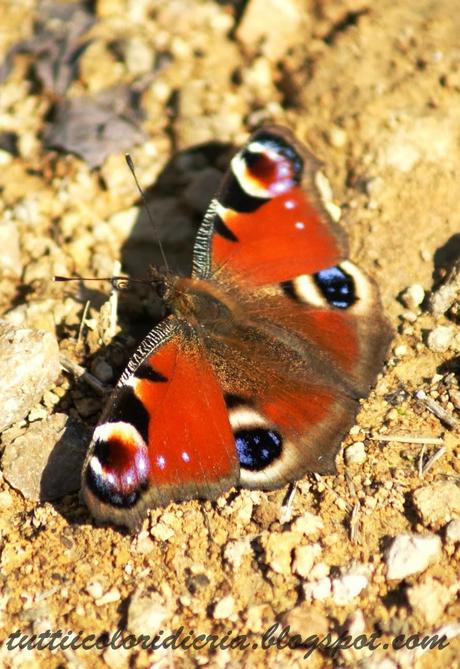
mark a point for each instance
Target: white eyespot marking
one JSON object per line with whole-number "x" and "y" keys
{"x": 95, "y": 465}
{"x": 250, "y": 185}
{"x": 244, "y": 418}
{"x": 289, "y": 204}
{"x": 364, "y": 288}
{"x": 299, "y": 225}
{"x": 185, "y": 456}
{"x": 121, "y": 431}
{"x": 307, "y": 291}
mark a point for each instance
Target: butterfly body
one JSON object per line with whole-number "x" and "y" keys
{"x": 256, "y": 374}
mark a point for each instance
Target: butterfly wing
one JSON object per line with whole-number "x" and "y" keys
{"x": 315, "y": 330}
{"x": 161, "y": 436}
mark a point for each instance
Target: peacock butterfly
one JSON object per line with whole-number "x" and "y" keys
{"x": 255, "y": 376}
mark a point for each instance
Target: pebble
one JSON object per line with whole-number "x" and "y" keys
{"x": 319, "y": 590}
{"x": 413, "y": 296}
{"x": 349, "y": 585}
{"x": 411, "y": 554}
{"x": 147, "y": 613}
{"x": 304, "y": 558}
{"x": 95, "y": 589}
{"x": 305, "y": 621}
{"x": 440, "y": 338}
{"x": 429, "y": 599}
{"x": 224, "y": 608}
{"x": 307, "y": 524}
{"x": 355, "y": 454}
{"x": 10, "y": 253}
{"x": 45, "y": 463}
{"x": 284, "y": 24}
{"x": 29, "y": 365}
{"x": 235, "y": 551}
{"x": 110, "y": 597}
{"x": 278, "y": 548}
{"x": 437, "y": 503}
{"x": 453, "y": 532}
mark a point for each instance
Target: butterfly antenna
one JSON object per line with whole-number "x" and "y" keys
{"x": 129, "y": 162}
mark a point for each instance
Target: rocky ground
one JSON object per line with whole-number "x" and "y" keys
{"x": 374, "y": 90}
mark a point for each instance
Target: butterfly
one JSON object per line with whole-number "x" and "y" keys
{"x": 255, "y": 375}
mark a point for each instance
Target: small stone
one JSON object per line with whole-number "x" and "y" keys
{"x": 411, "y": 553}
{"x": 413, "y": 296}
{"x": 452, "y": 532}
{"x": 307, "y": 524}
{"x": 337, "y": 137}
{"x": 162, "y": 532}
{"x": 110, "y": 597}
{"x": 283, "y": 24}
{"x": 224, "y": 607}
{"x": 349, "y": 585}
{"x": 355, "y": 454}
{"x": 235, "y": 551}
{"x": 430, "y": 599}
{"x": 117, "y": 658}
{"x": 400, "y": 351}
{"x": 319, "y": 590}
{"x": 440, "y": 338}
{"x": 437, "y": 503}
{"x": 304, "y": 558}
{"x": 29, "y": 365}
{"x": 147, "y": 613}
{"x": 305, "y": 621}
{"x": 10, "y": 253}
{"x": 278, "y": 548}
{"x": 95, "y": 589}
{"x": 45, "y": 462}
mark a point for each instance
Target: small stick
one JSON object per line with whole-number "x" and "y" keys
{"x": 286, "y": 507}
{"x": 113, "y": 301}
{"x": 80, "y": 372}
{"x": 434, "y": 458}
{"x": 420, "y": 462}
{"x": 407, "y": 439}
{"x": 436, "y": 409}
{"x": 354, "y": 522}
{"x": 83, "y": 321}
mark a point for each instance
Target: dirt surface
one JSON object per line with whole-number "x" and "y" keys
{"x": 374, "y": 90}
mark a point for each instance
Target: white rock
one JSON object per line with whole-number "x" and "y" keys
{"x": 307, "y": 523}
{"x": 411, "y": 554}
{"x": 430, "y": 599}
{"x": 278, "y": 24}
{"x": 224, "y": 608}
{"x": 146, "y": 613}
{"x": 349, "y": 585}
{"x": 413, "y": 296}
{"x": 440, "y": 338}
{"x": 304, "y": 558}
{"x": 453, "y": 531}
{"x": 318, "y": 590}
{"x": 29, "y": 365}
{"x": 437, "y": 503}
{"x": 10, "y": 254}
{"x": 355, "y": 454}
